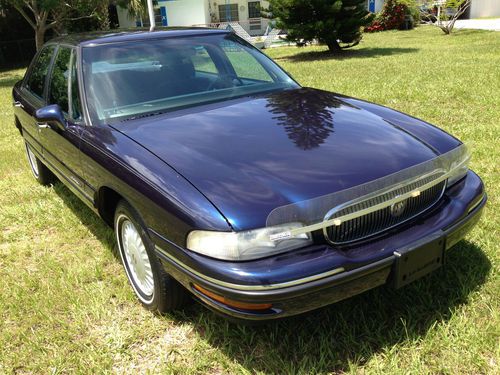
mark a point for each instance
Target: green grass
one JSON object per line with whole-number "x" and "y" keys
{"x": 65, "y": 305}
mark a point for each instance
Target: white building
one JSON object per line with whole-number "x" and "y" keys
{"x": 485, "y": 8}
{"x": 203, "y": 12}
{"x": 478, "y": 8}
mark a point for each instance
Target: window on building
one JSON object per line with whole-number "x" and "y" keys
{"x": 158, "y": 22}
{"x": 228, "y": 13}
{"x": 254, "y": 9}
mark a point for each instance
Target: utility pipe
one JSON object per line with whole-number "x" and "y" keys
{"x": 151, "y": 12}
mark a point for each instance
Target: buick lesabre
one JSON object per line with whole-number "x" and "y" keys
{"x": 226, "y": 180}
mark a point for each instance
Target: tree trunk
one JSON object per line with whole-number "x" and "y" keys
{"x": 39, "y": 37}
{"x": 334, "y": 46}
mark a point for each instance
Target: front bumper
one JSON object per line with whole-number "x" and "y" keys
{"x": 354, "y": 270}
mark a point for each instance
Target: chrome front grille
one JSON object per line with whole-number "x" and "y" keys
{"x": 382, "y": 219}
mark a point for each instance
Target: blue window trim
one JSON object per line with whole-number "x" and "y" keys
{"x": 164, "y": 18}
{"x": 371, "y": 6}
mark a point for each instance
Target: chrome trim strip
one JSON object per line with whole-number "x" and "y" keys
{"x": 476, "y": 204}
{"x": 389, "y": 189}
{"x": 366, "y": 211}
{"x": 78, "y": 188}
{"x": 249, "y": 287}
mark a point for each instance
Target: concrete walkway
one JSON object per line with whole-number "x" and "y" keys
{"x": 482, "y": 24}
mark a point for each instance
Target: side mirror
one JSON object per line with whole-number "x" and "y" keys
{"x": 52, "y": 115}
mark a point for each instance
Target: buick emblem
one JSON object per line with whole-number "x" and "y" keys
{"x": 398, "y": 208}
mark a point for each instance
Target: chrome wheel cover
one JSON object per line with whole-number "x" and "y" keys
{"x": 135, "y": 257}
{"x": 32, "y": 160}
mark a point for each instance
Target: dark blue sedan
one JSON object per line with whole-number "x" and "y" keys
{"x": 225, "y": 179}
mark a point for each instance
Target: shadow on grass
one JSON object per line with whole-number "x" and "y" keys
{"x": 10, "y": 80}
{"x": 347, "y": 54}
{"x": 339, "y": 336}
{"x": 8, "y": 68}
{"x": 87, "y": 217}
{"x": 465, "y": 31}
{"x": 352, "y": 331}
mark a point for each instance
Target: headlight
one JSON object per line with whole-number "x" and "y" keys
{"x": 246, "y": 245}
{"x": 459, "y": 168}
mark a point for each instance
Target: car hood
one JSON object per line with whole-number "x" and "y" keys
{"x": 251, "y": 155}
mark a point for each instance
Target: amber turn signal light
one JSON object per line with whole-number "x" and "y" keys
{"x": 232, "y": 303}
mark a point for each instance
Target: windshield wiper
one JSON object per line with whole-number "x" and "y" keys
{"x": 142, "y": 115}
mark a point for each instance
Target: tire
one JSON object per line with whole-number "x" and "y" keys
{"x": 155, "y": 289}
{"x": 41, "y": 173}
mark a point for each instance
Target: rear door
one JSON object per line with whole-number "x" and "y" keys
{"x": 61, "y": 144}
{"x": 32, "y": 96}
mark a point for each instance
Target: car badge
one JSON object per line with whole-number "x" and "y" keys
{"x": 398, "y": 208}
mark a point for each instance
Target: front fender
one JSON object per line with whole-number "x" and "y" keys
{"x": 167, "y": 202}
{"x": 434, "y": 137}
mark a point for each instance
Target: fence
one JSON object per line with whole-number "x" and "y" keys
{"x": 16, "y": 52}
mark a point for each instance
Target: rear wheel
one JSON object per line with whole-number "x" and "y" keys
{"x": 156, "y": 290}
{"x": 41, "y": 173}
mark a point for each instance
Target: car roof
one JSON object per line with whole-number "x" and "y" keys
{"x": 104, "y": 37}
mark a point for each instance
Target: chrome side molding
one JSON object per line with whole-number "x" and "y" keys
{"x": 249, "y": 287}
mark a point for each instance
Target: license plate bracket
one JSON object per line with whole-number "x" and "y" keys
{"x": 413, "y": 263}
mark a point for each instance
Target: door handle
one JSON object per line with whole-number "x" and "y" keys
{"x": 42, "y": 125}
{"x": 18, "y": 104}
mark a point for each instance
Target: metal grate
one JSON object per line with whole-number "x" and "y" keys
{"x": 385, "y": 218}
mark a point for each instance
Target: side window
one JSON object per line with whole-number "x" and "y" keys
{"x": 58, "y": 90}
{"x": 244, "y": 64}
{"x": 36, "y": 80}
{"x": 202, "y": 61}
{"x": 75, "y": 106}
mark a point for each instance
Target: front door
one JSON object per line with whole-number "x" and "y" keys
{"x": 61, "y": 145}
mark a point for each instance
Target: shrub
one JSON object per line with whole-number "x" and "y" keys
{"x": 393, "y": 15}
{"x": 336, "y": 23}
{"x": 376, "y": 25}
{"x": 413, "y": 10}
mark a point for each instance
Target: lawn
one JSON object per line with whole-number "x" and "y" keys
{"x": 65, "y": 304}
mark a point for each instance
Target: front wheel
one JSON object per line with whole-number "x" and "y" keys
{"x": 156, "y": 290}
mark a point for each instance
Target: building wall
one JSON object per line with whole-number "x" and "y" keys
{"x": 124, "y": 20}
{"x": 485, "y": 8}
{"x": 379, "y": 4}
{"x": 199, "y": 12}
{"x": 186, "y": 12}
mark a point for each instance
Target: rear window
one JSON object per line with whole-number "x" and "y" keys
{"x": 36, "y": 80}
{"x": 202, "y": 61}
{"x": 245, "y": 66}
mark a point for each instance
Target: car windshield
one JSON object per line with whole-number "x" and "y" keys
{"x": 134, "y": 79}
